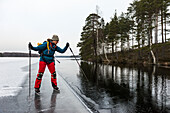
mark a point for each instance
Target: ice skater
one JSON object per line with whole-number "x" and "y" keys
{"x": 47, "y": 50}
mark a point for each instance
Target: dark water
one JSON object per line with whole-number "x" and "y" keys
{"x": 119, "y": 89}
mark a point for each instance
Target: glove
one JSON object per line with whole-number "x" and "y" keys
{"x": 30, "y": 46}
{"x": 67, "y": 45}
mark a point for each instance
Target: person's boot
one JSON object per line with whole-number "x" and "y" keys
{"x": 56, "y": 89}
{"x": 37, "y": 90}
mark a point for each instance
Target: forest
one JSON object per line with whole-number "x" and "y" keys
{"x": 140, "y": 33}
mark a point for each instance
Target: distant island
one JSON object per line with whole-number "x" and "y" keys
{"x": 20, "y": 54}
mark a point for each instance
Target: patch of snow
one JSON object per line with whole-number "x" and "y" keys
{"x": 11, "y": 74}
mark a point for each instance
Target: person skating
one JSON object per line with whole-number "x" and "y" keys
{"x": 47, "y": 50}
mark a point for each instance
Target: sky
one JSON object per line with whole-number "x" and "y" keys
{"x": 24, "y": 21}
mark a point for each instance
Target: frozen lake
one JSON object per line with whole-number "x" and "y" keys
{"x": 121, "y": 89}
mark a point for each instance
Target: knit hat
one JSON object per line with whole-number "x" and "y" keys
{"x": 55, "y": 38}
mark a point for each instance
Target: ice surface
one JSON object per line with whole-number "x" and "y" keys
{"x": 12, "y": 75}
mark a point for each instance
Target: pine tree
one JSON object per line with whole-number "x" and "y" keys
{"x": 88, "y": 44}
{"x": 166, "y": 14}
{"x": 113, "y": 31}
{"x": 125, "y": 25}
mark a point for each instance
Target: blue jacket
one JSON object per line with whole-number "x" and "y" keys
{"x": 48, "y": 56}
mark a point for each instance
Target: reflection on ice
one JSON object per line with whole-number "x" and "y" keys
{"x": 132, "y": 89}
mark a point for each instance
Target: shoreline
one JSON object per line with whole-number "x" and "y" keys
{"x": 141, "y": 56}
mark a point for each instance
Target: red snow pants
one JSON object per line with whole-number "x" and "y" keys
{"x": 42, "y": 66}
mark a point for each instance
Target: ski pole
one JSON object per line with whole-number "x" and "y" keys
{"x": 57, "y": 60}
{"x": 78, "y": 64}
{"x": 29, "y": 71}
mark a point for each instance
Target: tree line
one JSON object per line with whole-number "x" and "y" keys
{"x": 138, "y": 27}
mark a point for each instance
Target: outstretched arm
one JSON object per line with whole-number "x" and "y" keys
{"x": 58, "y": 49}
{"x": 40, "y": 47}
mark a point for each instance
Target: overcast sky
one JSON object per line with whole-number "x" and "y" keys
{"x": 34, "y": 21}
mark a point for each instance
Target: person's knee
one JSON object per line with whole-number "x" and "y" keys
{"x": 54, "y": 75}
{"x": 39, "y": 77}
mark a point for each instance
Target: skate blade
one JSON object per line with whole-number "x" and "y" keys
{"x": 56, "y": 91}
{"x": 37, "y": 93}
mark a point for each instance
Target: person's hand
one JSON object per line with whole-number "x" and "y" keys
{"x": 67, "y": 45}
{"x": 30, "y": 46}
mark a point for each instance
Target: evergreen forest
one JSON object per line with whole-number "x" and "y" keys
{"x": 146, "y": 23}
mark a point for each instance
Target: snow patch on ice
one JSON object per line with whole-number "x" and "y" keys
{"x": 10, "y": 91}
{"x": 11, "y": 74}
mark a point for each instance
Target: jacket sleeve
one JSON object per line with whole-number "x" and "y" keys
{"x": 58, "y": 49}
{"x": 40, "y": 47}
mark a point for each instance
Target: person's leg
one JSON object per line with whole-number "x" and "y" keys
{"x": 41, "y": 70}
{"x": 51, "y": 68}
